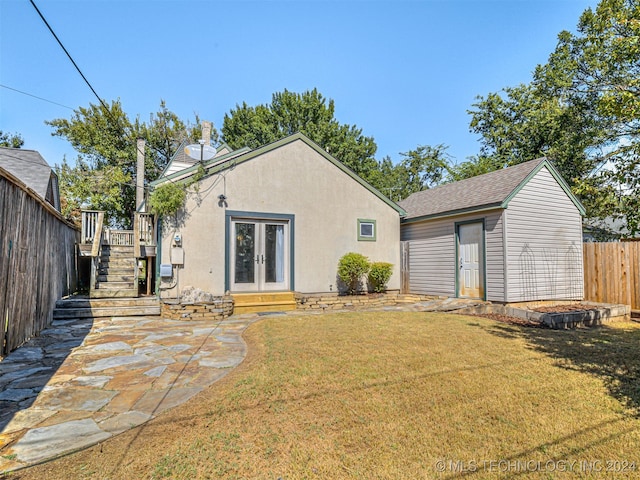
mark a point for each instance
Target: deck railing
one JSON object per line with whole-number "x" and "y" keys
{"x": 119, "y": 237}
{"x": 90, "y": 225}
{"x": 143, "y": 233}
{"x": 96, "y": 231}
{"x": 144, "y": 229}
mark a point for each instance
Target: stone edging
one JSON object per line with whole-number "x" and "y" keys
{"x": 601, "y": 313}
{"x": 219, "y": 309}
{"x": 327, "y": 301}
{"x": 222, "y": 307}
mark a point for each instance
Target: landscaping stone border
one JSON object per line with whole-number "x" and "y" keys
{"x": 328, "y": 301}
{"x": 600, "y": 314}
{"x": 218, "y": 309}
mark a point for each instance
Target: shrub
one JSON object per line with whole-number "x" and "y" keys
{"x": 379, "y": 276}
{"x": 351, "y": 268}
{"x": 167, "y": 198}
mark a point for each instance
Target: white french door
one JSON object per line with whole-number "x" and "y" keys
{"x": 259, "y": 255}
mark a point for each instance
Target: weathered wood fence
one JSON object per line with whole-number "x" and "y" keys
{"x": 612, "y": 273}
{"x": 37, "y": 262}
{"x": 405, "y": 286}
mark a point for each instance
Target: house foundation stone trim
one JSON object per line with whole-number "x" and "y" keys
{"x": 217, "y": 309}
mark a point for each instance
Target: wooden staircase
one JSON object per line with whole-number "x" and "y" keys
{"x": 263, "y": 302}
{"x": 71, "y": 308}
{"x": 117, "y": 273}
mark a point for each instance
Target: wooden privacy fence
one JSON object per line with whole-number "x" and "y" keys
{"x": 612, "y": 273}
{"x": 37, "y": 262}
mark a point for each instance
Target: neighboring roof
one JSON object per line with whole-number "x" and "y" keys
{"x": 180, "y": 160}
{"x": 33, "y": 170}
{"x": 607, "y": 229}
{"x": 230, "y": 160}
{"x": 484, "y": 192}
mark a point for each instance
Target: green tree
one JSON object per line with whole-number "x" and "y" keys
{"x": 473, "y": 166}
{"x": 524, "y": 123}
{"x": 105, "y": 139}
{"x": 419, "y": 169}
{"x": 309, "y": 113}
{"x": 11, "y": 140}
{"x": 82, "y": 186}
{"x": 597, "y": 72}
{"x": 581, "y": 110}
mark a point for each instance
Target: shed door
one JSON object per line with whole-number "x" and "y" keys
{"x": 471, "y": 260}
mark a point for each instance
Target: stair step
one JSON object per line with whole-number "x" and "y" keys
{"x": 263, "y": 308}
{"x": 65, "y": 313}
{"x": 112, "y": 285}
{"x": 118, "y": 248}
{"x": 115, "y": 302}
{"x": 108, "y": 293}
{"x": 259, "y": 297}
{"x": 264, "y": 302}
{"x": 118, "y": 260}
{"x": 116, "y": 271}
{"x": 129, "y": 278}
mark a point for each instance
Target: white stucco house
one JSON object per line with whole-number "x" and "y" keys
{"x": 274, "y": 219}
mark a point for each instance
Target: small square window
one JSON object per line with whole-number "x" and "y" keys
{"x": 366, "y": 230}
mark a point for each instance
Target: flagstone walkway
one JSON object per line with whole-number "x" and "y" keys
{"x": 84, "y": 380}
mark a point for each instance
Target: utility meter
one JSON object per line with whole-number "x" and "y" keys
{"x": 177, "y": 239}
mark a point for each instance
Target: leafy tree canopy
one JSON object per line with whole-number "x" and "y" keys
{"x": 11, "y": 140}
{"x": 104, "y": 173}
{"x": 419, "y": 169}
{"x": 309, "y": 113}
{"x": 581, "y": 110}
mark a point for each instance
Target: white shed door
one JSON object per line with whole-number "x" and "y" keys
{"x": 470, "y": 260}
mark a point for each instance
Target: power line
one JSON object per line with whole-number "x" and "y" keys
{"x": 114, "y": 122}
{"x": 68, "y": 54}
{"x": 35, "y": 96}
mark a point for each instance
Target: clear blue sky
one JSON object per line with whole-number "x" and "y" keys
{"x": 405, "y": 72}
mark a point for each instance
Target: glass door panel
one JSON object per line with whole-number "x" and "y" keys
{"x": 259, "y": 255}
{"x": 274, "y": 253}
{"x": 245, "y": 253}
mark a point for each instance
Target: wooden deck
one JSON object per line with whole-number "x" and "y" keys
{"x": 114, "y": 254}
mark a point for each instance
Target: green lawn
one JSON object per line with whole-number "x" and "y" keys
{"x": 396, "y": 395}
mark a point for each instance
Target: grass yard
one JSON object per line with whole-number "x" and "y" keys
{"x": 396, "y": 395}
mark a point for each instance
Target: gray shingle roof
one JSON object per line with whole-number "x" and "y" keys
{"x": 476, "y": 193}
{"x": 32, "y": 170}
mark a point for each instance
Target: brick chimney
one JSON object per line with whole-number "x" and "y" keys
{"x": 206, "y": 132}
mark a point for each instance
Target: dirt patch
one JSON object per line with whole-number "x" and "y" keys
{"x": 565, "y": 308}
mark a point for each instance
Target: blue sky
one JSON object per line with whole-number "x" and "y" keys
{"x": 405, "y": 72}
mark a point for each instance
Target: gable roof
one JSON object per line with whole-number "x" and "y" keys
{"x": 230, "y": 160}
{"x": 33, "y": 171}
{"x": 484, "y": 192}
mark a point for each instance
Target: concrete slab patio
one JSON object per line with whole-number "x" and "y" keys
{"x": 84, "y": 380}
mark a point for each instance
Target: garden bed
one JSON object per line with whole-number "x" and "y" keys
{"x": 558, "y": 315}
